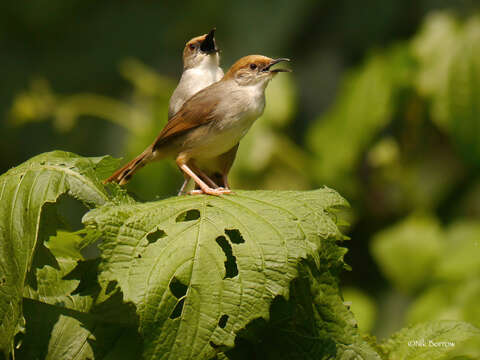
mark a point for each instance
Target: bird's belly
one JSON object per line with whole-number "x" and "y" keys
{"x": 214, "y": 140}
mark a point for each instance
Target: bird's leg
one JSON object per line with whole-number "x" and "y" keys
{"x": 184, "y": 185}
{"x": 205, "y": 188}
{"x": 226, "y": 185}
{"x": 203, "y": 175}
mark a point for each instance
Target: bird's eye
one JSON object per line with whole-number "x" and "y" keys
{"x": 253, "y": 66}
{"x": 192, "y": 47}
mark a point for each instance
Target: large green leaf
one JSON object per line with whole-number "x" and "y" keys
{"x": 201, "y": 268}
{"x": 24, "y": 192}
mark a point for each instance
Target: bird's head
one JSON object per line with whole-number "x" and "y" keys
{"x": 201, "y": 51}
{"x": 254, "y": 70}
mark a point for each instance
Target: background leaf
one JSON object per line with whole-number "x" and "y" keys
{"x": 449, "y": 73}
{"x": 53, "y": 333}
{"x": 418, "y": 239}
{"x": 362, "y": 109}
{"x": 434, "y": 340}
{"x": 24, "y": 191}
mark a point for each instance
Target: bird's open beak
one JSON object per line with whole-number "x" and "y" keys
{"x": 276, "y": 61}
{"x": 208, "y": 45}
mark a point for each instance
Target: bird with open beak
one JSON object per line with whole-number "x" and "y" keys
{"x": 210, "y": 123}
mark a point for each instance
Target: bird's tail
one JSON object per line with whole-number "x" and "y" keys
{"x": 123, "y": 175}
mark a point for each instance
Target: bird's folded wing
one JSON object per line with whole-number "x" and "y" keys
{"x": 197, "y": 111}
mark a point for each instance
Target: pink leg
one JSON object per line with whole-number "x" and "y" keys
{"x": 205, "y": 188}
{"x": 203, "y": 175}
{"x": 182, "y": 189}
{"x": 226, "y": 185}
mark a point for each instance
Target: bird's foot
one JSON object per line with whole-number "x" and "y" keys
{"x": 211, "y": 191}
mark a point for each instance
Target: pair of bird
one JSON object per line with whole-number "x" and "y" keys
{"x": 209, "y": 113}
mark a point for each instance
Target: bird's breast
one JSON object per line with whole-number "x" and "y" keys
{"x": 192, "y": 81}
{"x": 225, "y": 131}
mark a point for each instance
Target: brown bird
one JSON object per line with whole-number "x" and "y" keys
{"x": 210, "y": 123}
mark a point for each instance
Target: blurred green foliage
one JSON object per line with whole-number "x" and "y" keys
{"x": 413, "y": 245}
{"x": 383, "y": 105}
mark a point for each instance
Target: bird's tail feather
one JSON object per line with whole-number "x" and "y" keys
{"x": 123, "y": 175}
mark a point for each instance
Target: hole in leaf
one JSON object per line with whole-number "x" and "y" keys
{"x": 223, "y": 321}
{"x": 152, "y": 237}
{"x": 139, "y": 256}
{"x": 110, "y": 287}
{"x": 235, "y": 236}
{"x": 85, "y": 271}
{"x": 231, "y": 269}
{"x": 70, "y": 212}
{"x": 177, "y": 288}
{"x": 177, "y": 311}
{"x": 213, "y": 345}
{"x": 3, "y": 281}
{"x": 188, "y": 215}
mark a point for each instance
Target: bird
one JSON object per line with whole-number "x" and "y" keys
{"x": 201, "y": 68}
{"x": 210, "y": 123}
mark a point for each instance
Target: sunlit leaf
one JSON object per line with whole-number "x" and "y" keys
{"x": 201, "y": 268}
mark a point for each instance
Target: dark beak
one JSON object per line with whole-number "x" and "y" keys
{"x": 208, "y": 45}
{"x": 276, "y": 61}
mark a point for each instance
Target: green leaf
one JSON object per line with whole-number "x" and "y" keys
{"x": 201, "y": 268}
{"x": 453, "y": 301}
{"x": 363, "y": 107}
{"x": 407, "y": 252}
{"x": 448, "y": 55}
{"x": 430, "y": 341}
{"x": 435, "y": 303}
{"x": 24, "y": 193}
{"x": 53, "y": 333}
{"x": 314, "y": 323}
{"x": 461, "y": 258}
{"x": 456, "y": 289}
{"x": 50, "y": 281}
{"x": 362, "y": 306}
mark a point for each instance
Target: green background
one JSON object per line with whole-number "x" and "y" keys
{"x": 383, "y": 105}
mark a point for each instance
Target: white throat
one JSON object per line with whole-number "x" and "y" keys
{"x": 193, "y": 80}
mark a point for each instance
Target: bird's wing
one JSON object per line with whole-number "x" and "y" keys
{"x": 197, "y": 111}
